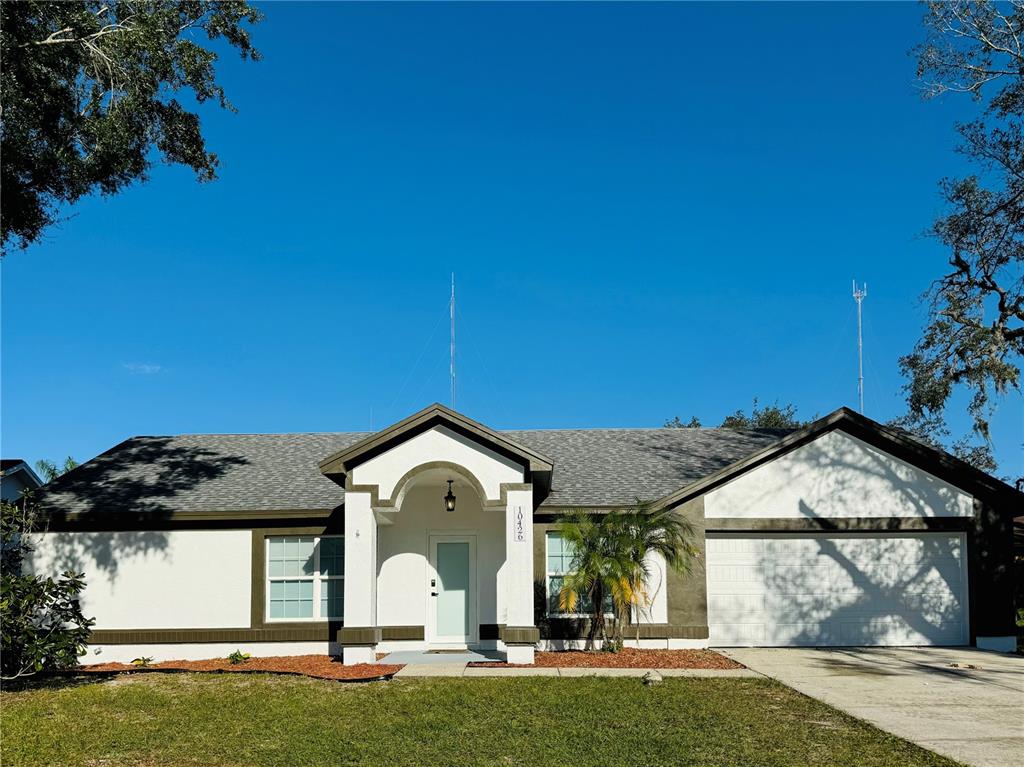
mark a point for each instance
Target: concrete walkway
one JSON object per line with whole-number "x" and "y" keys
{"x": 462, "y": 670}
{"x": 930, "y": 696}
{"x": 406, "y": 657}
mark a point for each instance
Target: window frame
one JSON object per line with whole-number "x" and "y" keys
{"x": 548, "y": 575}
{"x": 317, "y": 577}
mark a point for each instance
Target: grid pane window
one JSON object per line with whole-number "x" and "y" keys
{"x": 292, "y": 556}
{"x": 559, "y": 563}
{"x": 559, "y": 555}
{"x": 332, "y": 556}
{"x": 305, "y": 577}
{"x": 291, "y": 599}
{"x": 332, "y": 598}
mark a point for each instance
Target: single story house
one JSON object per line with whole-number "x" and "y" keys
{"x": 439, "y": 532}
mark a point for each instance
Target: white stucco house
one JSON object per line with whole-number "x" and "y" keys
{"x": 439, "y": 532}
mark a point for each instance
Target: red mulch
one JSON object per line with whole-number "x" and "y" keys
{"x": 318, "y": 666}
{"x": 628, "y": 657}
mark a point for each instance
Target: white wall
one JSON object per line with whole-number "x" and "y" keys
{"x": 836, "y": 476}
{"x": 126, "y": 653}
{"x": 438, "y": 444}
{"x": 169, "y": 579}
{"x": 403, "y": 582}
{"x": 657, "y": 592}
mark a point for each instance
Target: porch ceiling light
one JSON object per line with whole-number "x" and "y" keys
{"x": 449, "y": 500}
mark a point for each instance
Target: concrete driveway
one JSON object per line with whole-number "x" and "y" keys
{"x": 929, "y": 696}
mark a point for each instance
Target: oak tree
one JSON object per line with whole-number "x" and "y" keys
{"x": 91, "y": 96}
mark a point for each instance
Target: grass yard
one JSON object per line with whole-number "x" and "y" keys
{"x": 192, "y": 719}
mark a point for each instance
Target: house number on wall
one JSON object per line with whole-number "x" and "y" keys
{"x": 520, "y": 530}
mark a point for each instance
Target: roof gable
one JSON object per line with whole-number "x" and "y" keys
{"x": 899, "y": 444}
{"x": 339, "y": 464}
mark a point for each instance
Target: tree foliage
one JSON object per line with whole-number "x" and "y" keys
{"x": 89, "y": 97}
{"x": 773, "y": 416}
{"x": 42, "y": 627}
{"x": 974, "y": 339}
{"x": 610, "y": 570}
{"x": 676, "y": 423}
{"x": 49, "y": 470}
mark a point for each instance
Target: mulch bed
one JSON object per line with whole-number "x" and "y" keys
{"x": 317, "y": 666}
{"x": 626, "y": 658}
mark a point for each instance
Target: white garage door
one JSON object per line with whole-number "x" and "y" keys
{"x": 851, "y": 590}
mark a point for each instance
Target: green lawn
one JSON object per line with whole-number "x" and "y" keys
{"x": 191, "y": 719}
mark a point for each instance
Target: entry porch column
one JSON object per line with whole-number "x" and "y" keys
{"x": 519, "y": 633}
{"x": 359, "y": 635}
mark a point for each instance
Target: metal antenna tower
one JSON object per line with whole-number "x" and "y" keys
{"x": 859, "y": 296}
{"x": 452, "y": 348}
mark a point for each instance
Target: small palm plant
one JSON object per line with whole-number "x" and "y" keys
{"x": 611, "y": 564}
{"x": 648, "y": 532}
{"x": 599, "y": 571}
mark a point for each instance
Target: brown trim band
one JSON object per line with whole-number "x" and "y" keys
{"x": 401, "y": 633}
{"x": 519, "y": 635}
{"x": 300, "y": 632}
{"x": 359, "y": 636}
{"x": 116, "y": 522}
{"x": 293, "y": 632}
{"x": 840, "y": 525}
{"x": 578, "y": 628}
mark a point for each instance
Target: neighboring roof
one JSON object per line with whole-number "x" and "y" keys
{"x": 10, "y": 465}
{"x": 212, "y": 473}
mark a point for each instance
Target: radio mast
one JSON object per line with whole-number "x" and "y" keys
{"x": 858, "y": 296}
{"x": 452, "y": 347}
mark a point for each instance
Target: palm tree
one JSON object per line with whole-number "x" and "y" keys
{"x": 599, "y": 570}
{"x": 611, "y": 565}
{"x": 646, "y": 532}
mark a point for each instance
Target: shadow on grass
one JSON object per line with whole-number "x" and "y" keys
{"x": 52, "y": 681}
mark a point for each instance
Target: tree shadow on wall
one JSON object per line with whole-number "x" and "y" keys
{"x": 131, "y": 490}
{"x": 915, "y": 593}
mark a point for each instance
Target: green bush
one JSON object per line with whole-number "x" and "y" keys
{"x": 41, "y": 623}
{"x": 238, "y": 657}
{"x": 142, "y": 662}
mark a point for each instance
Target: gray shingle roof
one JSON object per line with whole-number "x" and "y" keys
{"x": 279, "y": 472}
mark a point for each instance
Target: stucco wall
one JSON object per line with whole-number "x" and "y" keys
{"x": 402, "y": 555}
{"x": 125, "y": 653}
{"x": 837, "y": 475}
{"x": 168, "y": 579}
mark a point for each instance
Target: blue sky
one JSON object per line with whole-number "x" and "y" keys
{"x": 651, "y": 210}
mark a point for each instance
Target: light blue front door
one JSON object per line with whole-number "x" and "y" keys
{"x": 453, "y": 589}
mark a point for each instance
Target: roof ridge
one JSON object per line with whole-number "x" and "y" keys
{"x": 252, "y": 434}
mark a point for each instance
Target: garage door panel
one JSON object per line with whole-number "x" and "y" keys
{"x": 737, "y": 606}
{"x": 740, "y": 633}
{"x": 801, "y": 634}
{"x": 838, "y": 590}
